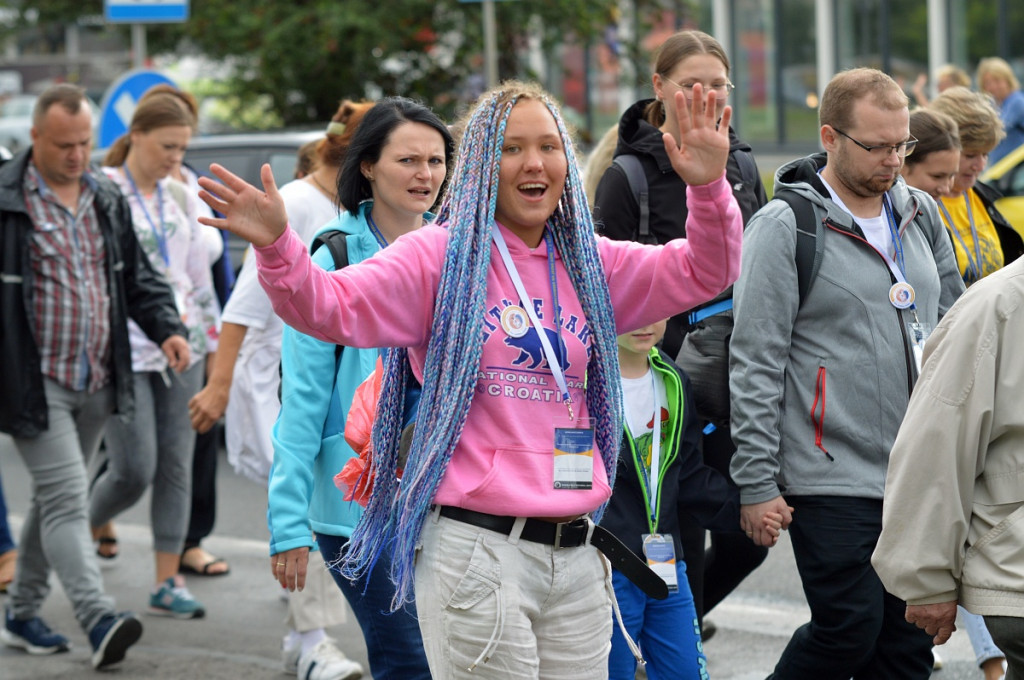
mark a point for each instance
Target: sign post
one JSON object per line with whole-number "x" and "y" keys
{"x": 139, "y": 12}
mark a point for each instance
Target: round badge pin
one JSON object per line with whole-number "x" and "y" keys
{"x": 902, "y": 295}
{"x": 514, "y": 321}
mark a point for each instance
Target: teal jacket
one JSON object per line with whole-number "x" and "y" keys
{"x": 309, "y": 435}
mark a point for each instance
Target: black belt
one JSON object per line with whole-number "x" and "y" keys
{"x": 572, "y": 534}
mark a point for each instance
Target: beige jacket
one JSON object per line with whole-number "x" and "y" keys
{"x": 953, "y": 520}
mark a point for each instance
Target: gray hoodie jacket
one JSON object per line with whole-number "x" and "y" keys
{"x": 819, "y": 389}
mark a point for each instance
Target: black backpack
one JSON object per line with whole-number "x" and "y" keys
{"x": 631, "y": 167}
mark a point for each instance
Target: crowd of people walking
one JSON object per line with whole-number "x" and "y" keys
{"x": 542, "y": 384}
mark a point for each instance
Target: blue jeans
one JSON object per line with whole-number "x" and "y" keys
{"x": 393, "y": 641}
{"x": 666, "y": 630}
{"x": 6, "y": 540}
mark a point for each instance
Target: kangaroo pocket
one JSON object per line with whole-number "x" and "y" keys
{"x": 524, "y": 473}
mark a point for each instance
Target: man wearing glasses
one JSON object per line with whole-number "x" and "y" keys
{"x": 820, "y": 379}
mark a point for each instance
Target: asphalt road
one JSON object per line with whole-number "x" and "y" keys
{"x": 241, "y": 634}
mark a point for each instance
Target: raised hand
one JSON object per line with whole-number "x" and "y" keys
{"x": 257, "y": 216}
{"x": 703, "y": 150}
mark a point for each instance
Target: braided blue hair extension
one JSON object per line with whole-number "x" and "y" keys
{"x": 396, "y": 511}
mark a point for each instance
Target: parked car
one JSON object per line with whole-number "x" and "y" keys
{"x": 244, "y": 154}
{"x": 16, "y": 121}
{"x": 1008, "y": 176}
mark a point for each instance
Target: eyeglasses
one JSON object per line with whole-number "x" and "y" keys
{"x": 722, "y": 89}
{"x": 903, "y": 149}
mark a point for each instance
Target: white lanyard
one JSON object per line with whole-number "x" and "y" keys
{"x": 549, "y": 352}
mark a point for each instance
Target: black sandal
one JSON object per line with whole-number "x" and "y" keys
{"x": 106, "y": 541}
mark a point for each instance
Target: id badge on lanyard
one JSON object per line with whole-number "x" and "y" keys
{"x": 902, "y": 295}
{"x": 660, "y": 552}
{"x": 574, "y": 453}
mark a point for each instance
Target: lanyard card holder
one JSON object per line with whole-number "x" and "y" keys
{"x": 660, "y": 552}
{"x": 574, "y": 453}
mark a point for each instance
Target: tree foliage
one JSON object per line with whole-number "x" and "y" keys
{"x": 306, "y": 55}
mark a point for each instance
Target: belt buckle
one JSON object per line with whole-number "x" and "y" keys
{"x": 558, "y": 535}
{"x": 585, "y": 520}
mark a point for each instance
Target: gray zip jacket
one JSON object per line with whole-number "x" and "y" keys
{"x": 819, "y": 388}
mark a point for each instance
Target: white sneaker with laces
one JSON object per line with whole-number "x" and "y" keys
{"x": 290, "y": 655}
{"x": 326, "y": 662}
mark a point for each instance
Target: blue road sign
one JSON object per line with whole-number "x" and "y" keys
{"x": 144, "y": 12}
{"x": 119, "y": 103}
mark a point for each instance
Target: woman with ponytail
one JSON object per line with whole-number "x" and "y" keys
{"x": 156, "y": 447}
{"x": 514, "y": 450}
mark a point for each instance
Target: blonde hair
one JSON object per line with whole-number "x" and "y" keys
{"x": 599, "y": 160}
{"x": 994, "y": 66}
{"x": 955, "y": 74}
{"x": 976, "y": 119}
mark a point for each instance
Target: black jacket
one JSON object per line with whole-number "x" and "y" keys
{"x": 617, "y": 215}
{"x": 135, "y": 288}
{"x": 1009, "y": 239}
{"x": 687, "y": 483}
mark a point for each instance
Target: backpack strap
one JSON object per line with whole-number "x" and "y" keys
{"x": 810, "y": 246}
{"x": 748, "y": 168}
{"x": 631, "y": 167}
{"x": 337, "y": 243}
{"x": 338, "y": 246}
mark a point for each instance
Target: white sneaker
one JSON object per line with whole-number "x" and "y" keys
{"x": 326, "y": 662}
{"x": 290, "y": 655}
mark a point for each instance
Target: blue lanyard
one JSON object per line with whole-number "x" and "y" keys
{"x": 549, "y": 353}
{"x": 375, "y": 231}
{"x": 897, "y": 240}
{"x": 159, "y": 234}
{"x": 973, "y": 263}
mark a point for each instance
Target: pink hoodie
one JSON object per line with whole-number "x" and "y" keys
{"x": 503, "y": 463}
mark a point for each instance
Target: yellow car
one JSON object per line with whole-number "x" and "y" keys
{"x": 1008, "y": 177}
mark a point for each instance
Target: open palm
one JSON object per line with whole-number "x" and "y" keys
{"x": 257, "y": 216}
{"x": 703, "y": 150}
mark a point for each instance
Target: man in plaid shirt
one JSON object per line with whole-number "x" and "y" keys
{"x": 71, "y": 274}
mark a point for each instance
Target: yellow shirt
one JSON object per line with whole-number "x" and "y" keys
{"x": 972, "y": 267}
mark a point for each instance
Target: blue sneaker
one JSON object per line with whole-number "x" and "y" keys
{"x": 111, "y": 637}
{"x": 173, "y": 599}
{"x": 34, "y": 636}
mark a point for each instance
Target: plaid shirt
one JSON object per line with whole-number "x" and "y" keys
{"x": 70, "y": 295}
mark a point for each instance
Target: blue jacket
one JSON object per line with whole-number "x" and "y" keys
{"x": 309, "y": 435}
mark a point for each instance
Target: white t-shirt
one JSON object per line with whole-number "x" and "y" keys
{"x": 253, "y": 403}
{"x": 876, "y": 229}
{"x": 638, "y": 399}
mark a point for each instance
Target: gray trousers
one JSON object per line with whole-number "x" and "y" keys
{"x": 1008, "y": 634}
{"x": 155, "y": 449}
{"x": 56, "y": 530}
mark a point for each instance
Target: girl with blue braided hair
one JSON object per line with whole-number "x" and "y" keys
{"x": 507, "y": 309}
